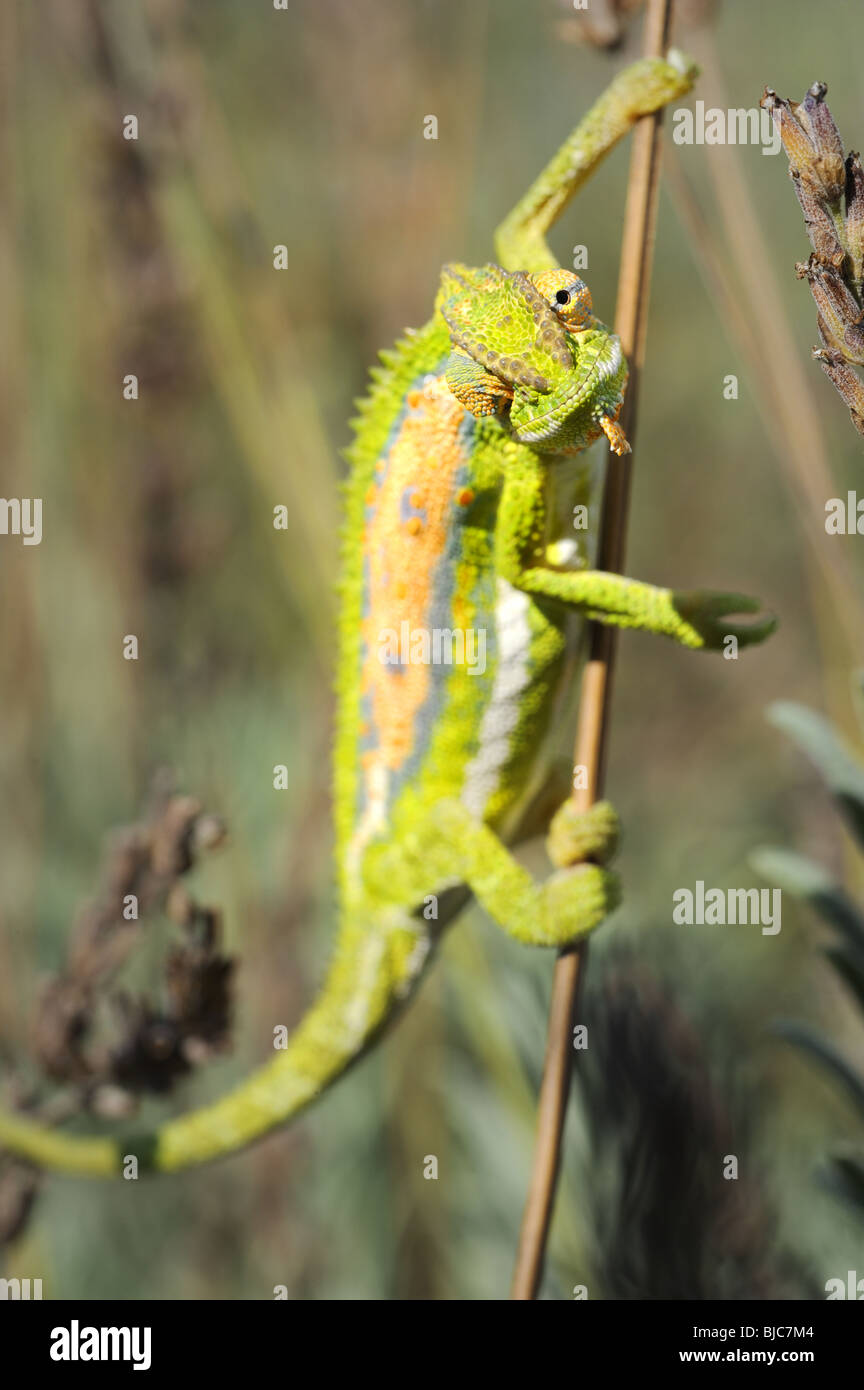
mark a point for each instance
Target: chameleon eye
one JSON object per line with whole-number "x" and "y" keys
{"x": 572, "y": 304}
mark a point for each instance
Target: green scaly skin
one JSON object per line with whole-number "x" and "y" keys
{"x": 454, "y": 519}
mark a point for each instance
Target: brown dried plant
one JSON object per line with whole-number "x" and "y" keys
{"x": 830, "y": 190}
{"x": 104, "y": 1045}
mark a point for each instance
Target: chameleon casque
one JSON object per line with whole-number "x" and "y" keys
{"x": 469, "y": 451}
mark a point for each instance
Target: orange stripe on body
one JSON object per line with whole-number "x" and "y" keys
{"x": 402, "y": 553}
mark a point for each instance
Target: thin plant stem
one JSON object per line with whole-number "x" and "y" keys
{"x": 591, "y": 737}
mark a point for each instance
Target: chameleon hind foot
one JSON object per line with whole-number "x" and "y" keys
{"x": 581, "y": 894}
{"x": 575, "y": 836}
{"x": 568, "y": 905}
{"x": 577, "y": 900}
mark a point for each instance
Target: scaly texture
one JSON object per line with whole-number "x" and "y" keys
{"x": 462, "y": 599}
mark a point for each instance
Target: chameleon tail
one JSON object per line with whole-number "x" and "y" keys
{"x": 373, "y": 971}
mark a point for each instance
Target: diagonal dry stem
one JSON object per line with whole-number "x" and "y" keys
{"x": 630, "y": 324}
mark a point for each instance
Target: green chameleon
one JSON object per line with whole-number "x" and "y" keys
{"x": 462, "y": 601}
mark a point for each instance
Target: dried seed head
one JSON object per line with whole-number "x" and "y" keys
{"x": 855, "y": 215}
{"x": 209, "y": 832}
{"x": 840, "y": 314}
{"x": 811, "y": 141}
{"x": 835, "y": 269}
{"x": 800, "y": 150}
{"x": 819, "y": 122}
{"x": 845, "y": 380}
{"x": 112, "y": 1102}
{"x": 180, "y": 906}
{"x": 18, "y": 1187}
{"x": 820, "y": 225}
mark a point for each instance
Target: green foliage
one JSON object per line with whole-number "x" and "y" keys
{"x": 801, "y": 877}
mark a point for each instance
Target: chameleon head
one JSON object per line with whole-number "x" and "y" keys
{"x": 557, "y": 370}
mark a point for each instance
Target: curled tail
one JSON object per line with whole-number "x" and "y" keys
{"x": 373, "y": 971}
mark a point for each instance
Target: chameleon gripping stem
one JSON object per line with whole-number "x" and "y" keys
{"x": 591, "y": 738}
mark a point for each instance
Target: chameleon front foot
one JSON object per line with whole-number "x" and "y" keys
{"x": 481, "y": 392}
{"x": 696, "y": 618}
{"x": 704, "y": 621}
{"x": 618, "y": 441}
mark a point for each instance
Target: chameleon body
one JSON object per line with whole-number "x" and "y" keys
{"x": 467, "y": 450}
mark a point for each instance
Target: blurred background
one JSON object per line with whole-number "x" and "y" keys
{"x": 304, "y": 127}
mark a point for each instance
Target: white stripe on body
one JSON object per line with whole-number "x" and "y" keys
{"x": 501, "y": 716}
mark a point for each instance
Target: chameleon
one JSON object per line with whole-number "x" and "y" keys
{"x": 470, "y": 453}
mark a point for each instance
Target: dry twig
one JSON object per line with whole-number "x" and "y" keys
{"x": 630, "y": 325}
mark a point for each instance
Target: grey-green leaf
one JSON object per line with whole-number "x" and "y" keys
{"x": 833, "y": 757}
{"x": 845, "y": 1178}
{"x": 849, "y": 964}
{"x": 810, "y": 1041}
{"x": 803, "y": 878}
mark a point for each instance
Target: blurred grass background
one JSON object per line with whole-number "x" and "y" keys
{"x": 305, "y": 128}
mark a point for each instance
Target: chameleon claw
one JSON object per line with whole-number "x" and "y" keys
{"x": 618, "y": 442}
{"x": 580, "y": 899}
{"x": 707, "y": 614}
